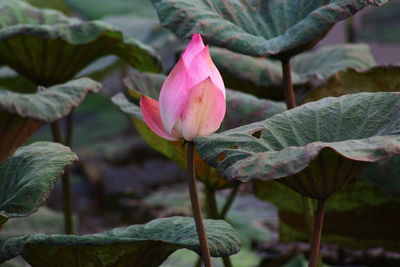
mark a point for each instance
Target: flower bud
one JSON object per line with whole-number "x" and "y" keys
{"x": 192, "y": 98}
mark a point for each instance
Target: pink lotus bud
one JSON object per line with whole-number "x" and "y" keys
{"x": 192, "y": 98}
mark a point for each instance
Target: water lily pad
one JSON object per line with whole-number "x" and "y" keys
{"x": 243, "y": 109}
{"x": 375, "y": 20}
{"x": 371, "y": 215}
{"x": 258, "y": 28}
{"x": 138, "y": 245}
{"x": 28, "y": 176}
{"x": 21, "y": 114}
{"x": 50, "y": 48}
{"x": 262, "y": 77}
{"x": 376, "y": 79}
{"x": 313, "y": 149}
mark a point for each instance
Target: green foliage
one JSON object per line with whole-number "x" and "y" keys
{"x": 381, "y": 25}
{"x": 258, "y": 28}
{"x": 262, "y": 77}
{"x": 97, "y": 9}
{"x": 358, "y": 216}
{"x": 59, "y": 5}
{"x": 243, "y": 109}
{"x": 28, "y": 177}
{"x": 57, "y": 47}
{"x": 315, "y": 148}
{"x": 351, "y": 81}
{"x": 44, "y": 221}
{"x": 138, "y": 245}
{"x": 22, "y": 113}
{"x": 184, "y": 258}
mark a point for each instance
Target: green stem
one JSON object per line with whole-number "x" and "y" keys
{"x": 198, "y": 217}
{"x": 212, "y": 210}
{"x": 213, "y": 214}
{"x": 229, "y": 201}
{"x": 69, "y": 129}
{"x": 67, "y": 201}
{"x": 291, "y": 103}
{"x": 316, "y": 235}
{"x": 350, "y": 32}
{"x": 290, "y": 97}
{"x": 308, "y": 213}
{"x": 55, "y": 131}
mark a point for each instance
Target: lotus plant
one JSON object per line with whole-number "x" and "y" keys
{"x": 191, "y": 104}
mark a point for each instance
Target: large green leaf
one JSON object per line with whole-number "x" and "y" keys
{"x": 53, "y": 4}
{"x": 350, "y": 81}
{"x": 358, "y": 216}
{"x": 96, "y": 9}
{"x": 258, "y": 28}
{"x": 263, "y": 77}
{"x": 28, "y": 177}
{"x": 242, "y": 108}
{"x": 21, "y": 114}
{"x": 50, "y": 48}
{"x": 313, "y": 149}
{"x": 138, "y": 245}
{"x": 381, "y": 25}
{"x": 385, "y": 175}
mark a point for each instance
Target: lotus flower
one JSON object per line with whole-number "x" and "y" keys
{"x": 192, "y": 98}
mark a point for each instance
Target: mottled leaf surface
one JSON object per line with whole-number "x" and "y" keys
{"x": 318, "y": 146}
{"x": 27, "y": 177}
{"x": 262, "y": 77}
{"x": 138, "y": 245}
{"x": 371, "y": 215}
{"x": 50, "y": 48}
{"x": 21, "y": 114}
{"x": 258, "y": 28}
{"x": 243, "y": 109}
{"x": 48, "y": 104}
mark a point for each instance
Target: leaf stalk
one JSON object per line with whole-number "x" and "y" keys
{"x": 316, "y": 235}
{"x": 198, "y": 217}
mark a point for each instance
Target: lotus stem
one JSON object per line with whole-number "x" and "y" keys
{"x": 308, "y": 213}
{"x": 198, "y": 217}
{"x": 212, "y": 209}
{"x": 69, "y": 129}
{"x": 212, "y": 213}
{"x": 55, "y": 131}
{"x": 290, "y": 98}
{"x": 287, "y": 84}
{"x": 66, "y": 185}
{"x": 350, "y": 32}
{"x": 229, "y": 201}
{"x": 316, "y": 235}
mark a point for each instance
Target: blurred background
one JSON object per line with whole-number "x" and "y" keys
{"x": 120, "y": 180}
